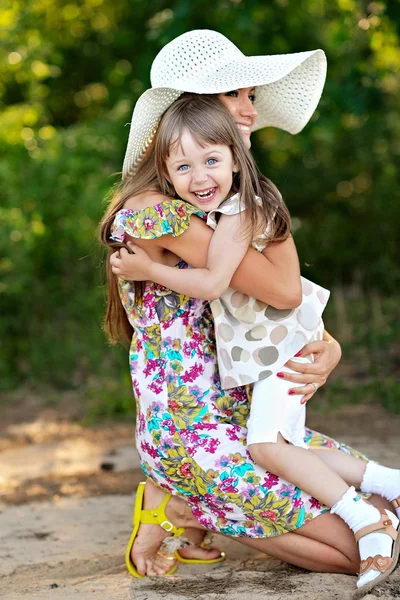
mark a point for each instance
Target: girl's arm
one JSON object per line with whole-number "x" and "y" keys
{"x": 227, "y": 248}
{"x": 273, "y": 278}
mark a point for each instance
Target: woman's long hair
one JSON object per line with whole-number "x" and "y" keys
{"x": 209, "y": 122}
{"x": 116, "y": 323}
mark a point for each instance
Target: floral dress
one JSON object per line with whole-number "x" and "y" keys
{"x": 191, "y": 434}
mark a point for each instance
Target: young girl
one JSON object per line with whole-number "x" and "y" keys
{"x": 201, "y": 158}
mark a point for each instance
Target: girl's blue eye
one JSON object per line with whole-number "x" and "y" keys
{"x": 211, "y": 161}
{"x": 252, "y": 98}
{"x": 232, "y": 93}
{"x": 183, "y": 167}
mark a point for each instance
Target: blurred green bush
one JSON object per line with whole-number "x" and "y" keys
{"x": 73, "y": 72}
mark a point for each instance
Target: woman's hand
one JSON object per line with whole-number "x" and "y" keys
{"x": 132, "y": 267}
{"x": 311, "y": 376}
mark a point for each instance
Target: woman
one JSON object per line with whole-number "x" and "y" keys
{"x": 287, "y": 90}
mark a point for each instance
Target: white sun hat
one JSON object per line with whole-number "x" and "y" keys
{"x": 288, "y": 86}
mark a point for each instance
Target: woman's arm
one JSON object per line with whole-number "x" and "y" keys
{"x": 327, "y": 353}
{"x": 272, "y": 277}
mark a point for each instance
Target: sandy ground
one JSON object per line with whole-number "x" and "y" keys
{"x": 66, "y": 504}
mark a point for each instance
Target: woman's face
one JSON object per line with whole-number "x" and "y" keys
{"x": 240, "y": 104}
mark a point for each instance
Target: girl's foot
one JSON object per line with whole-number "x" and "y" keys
{"x": 149, "y": 555}
{"x": 379, "y": 545}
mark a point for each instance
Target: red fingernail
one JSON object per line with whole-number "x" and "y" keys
{"x": 280, "y": 375}
{"x": 291, "y": 392}
{"x": 299, "y": 353}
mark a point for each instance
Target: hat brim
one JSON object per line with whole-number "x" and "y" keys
{"x": 288, "y": 89}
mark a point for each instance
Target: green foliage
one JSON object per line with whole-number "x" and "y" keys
{"x": 73, "y": 72}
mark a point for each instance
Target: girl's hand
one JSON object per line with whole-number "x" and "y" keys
{"x": 132, "y": 267}
{"x": 326, "y": 356}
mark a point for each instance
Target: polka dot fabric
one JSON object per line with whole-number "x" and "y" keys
{"x": 288, "y": 86}
{"x": 255, "y": 340}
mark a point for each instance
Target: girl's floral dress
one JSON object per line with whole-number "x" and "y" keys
{"x": 191, "y": 435}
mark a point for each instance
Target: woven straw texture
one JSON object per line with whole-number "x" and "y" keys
{"x": 288, "y": 86}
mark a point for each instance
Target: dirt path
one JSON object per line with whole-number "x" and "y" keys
{"x": 66, "y": 502}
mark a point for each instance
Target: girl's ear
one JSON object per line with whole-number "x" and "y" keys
{"x": 236, "y": 168}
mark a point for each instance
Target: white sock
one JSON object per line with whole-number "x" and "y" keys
{"x": 355, "y": 511}
{"x": 358, "y": 514}
{"x": 382, "y": 481}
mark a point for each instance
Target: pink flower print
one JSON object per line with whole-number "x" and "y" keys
{"x": 166, "y": 487}
{"x": 173, "y": 405}
{"x": 269, "y": 514}
{"x": 136, "y": 389}
{"x": 231, "y": 432}
{"x": 314, "y": 503}
{"x": 222, "y": 462}
{"x": 196, "y": 512}
{"x": 227, "y": 485}
{"x": 330, "y": 444}
{"x": 133, "y": 366}
{"x": 142, "y": 423}
{"x": 156, "y": 388}
{"x": 153, "y": 452}
{"x": 207, "y": 426}
{"x": 270, "y": 480}
{"x": 238, "y": 394}
{"x": 212, "y": 446}
{"x": 181, "y": 210}
{"x": 156, "y": 407}
{"x": 166, "y": 444}
{"x": 148, "y": 224}
{"x": 186, "y": 470}
{"x": 152, "y": 366}
{"x": 219, "y": 513}
{"x": 250, "y": 492}
{"x": 286, "y": 491}
{"x": 206, "y": 522}
{"x": 170, "y": 426}
{"x": 298, "y": 503}
{"x": 257, "y": 530}
{"x": 193, "y": 373}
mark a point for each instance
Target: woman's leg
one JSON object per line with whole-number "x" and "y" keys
{"x": 325, "y": 544}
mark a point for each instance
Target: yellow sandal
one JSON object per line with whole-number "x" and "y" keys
{"x": 157, "y": 516}
{"x": 154, "y": 516}
{"x": 201, "y": 561}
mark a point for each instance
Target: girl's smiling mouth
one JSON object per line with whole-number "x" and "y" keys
{"x": 205, "y": 195}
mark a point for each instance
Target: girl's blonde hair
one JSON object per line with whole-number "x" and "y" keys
{"x": 209, "y": 122}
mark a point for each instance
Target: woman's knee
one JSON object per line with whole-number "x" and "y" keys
{"x": 336, "y": 547}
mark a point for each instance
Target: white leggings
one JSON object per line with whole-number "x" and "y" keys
{"x": 274, "y": 411}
